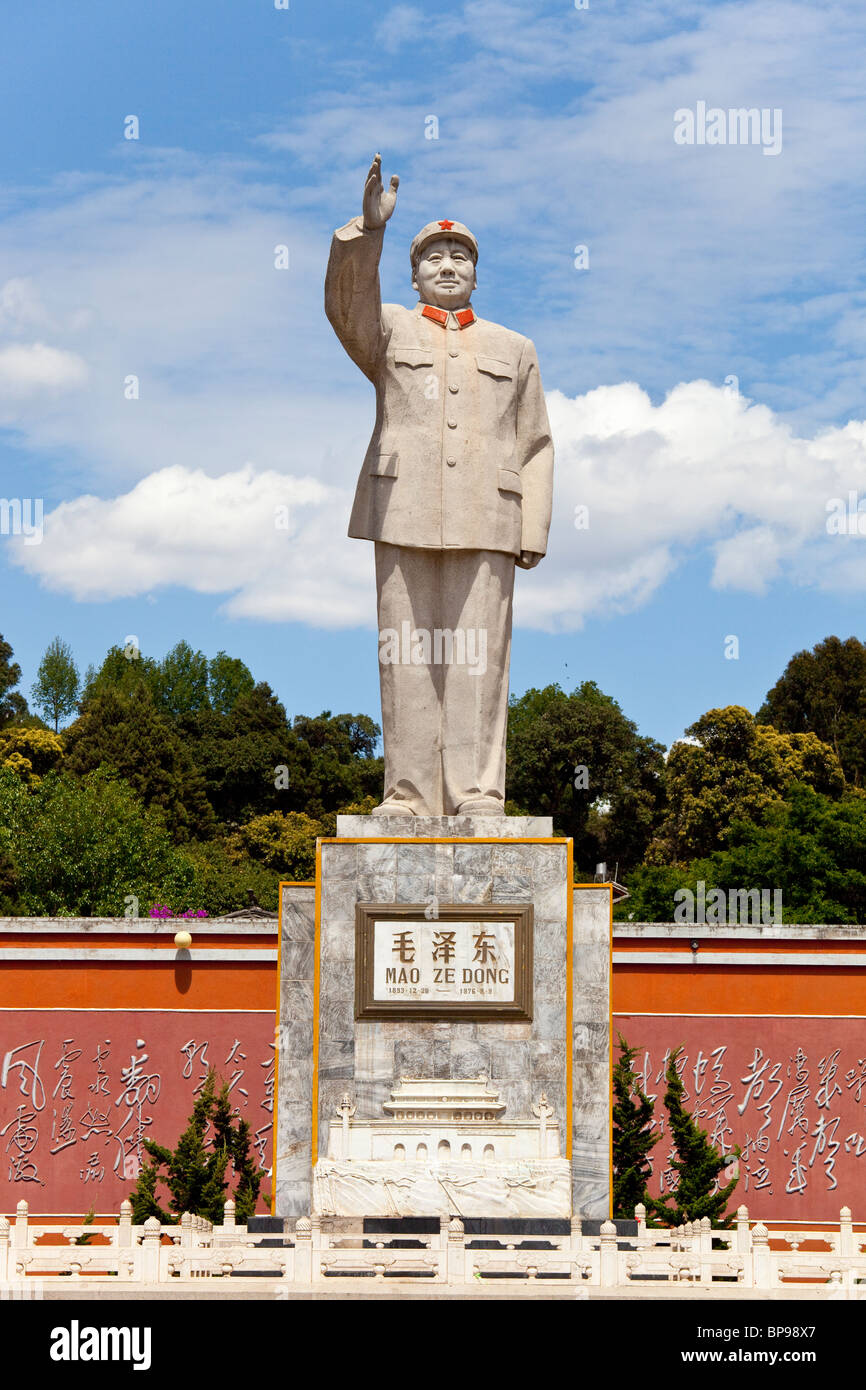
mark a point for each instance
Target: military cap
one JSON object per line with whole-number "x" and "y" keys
{"x": 434, "y": 231}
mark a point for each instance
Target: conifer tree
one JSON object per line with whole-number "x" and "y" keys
{"x": 633, "y": 1139}
{"x": 195, "y": 1171}
{"x": 698, "y": 1163}
{"x": 143, "y": 1199}
{"x": 189, "y": 1166}
{"x": 249, "y": 1175}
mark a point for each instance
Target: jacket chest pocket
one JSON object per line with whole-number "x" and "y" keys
{"x": 413, "y": 357}
{"x": 492, "y": 367}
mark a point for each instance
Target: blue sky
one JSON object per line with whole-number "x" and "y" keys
{"x": 705, "y": 374}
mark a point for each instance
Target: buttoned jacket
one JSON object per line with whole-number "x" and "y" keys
{"x": 461, "y": 453}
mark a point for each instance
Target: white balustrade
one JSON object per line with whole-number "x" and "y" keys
{"x": 746, "y": 1257}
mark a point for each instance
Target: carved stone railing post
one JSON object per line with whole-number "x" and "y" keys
{"x": 456, "y": 1252}
{"x": 846, "y": 1233}
{"x": 289, "y": 1266}
{"x": 318, "y": 1243}
{"x": 609, "y": 1255}
{"x": 706, "y": 1236}
{"x": 640, "y": 1218}
{"x": 229, "y": 1215}
{"x": 123, "y": 1237}
{"x": 704, "y": 1243}
{"x": 576, "y": 1234}
{"x": 761, "y": 1275}
{"x": 20, "y": 1237}
{"x": 743, "y": 1241}
{"x": 443, "y": 1248}
{"x": 151, "y": 1239}
{"x": 303, "y": 1251}
{"x": 5, "y": 1239}
{"x": 186, "y": 1230}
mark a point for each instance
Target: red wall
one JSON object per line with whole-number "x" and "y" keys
{"x": 790, "y": 1091}
{"x": 79, "y": 1090}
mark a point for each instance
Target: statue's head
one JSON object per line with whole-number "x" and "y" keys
{"x": 444, "y": 256}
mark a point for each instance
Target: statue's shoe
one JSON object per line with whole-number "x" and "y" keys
{"x": 481, "y": 806}
{"x": 393, "y": 808}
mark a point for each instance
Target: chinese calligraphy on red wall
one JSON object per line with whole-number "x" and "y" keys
{"x": 81, "y": 1091}
{"x": 790, "y": 1091}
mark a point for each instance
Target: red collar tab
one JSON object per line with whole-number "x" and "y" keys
{"x": 463, "y": 316}
{"x": 446, "y": 225}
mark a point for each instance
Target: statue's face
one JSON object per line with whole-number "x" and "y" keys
{"x": 445, "y": 274}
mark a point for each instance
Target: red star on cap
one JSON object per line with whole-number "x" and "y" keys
{"x": 446, "y": 225}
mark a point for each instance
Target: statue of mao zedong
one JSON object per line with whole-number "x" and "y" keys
{"x": 455, "y": 490}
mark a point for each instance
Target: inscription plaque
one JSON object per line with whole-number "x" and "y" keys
{"x": 460, "y": 960}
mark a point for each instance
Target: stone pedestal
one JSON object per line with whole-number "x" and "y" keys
{"x": 337, "y": 1071}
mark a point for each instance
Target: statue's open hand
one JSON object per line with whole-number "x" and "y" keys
{"x": 378, "y": 205}
{"x": 528, "y": 559}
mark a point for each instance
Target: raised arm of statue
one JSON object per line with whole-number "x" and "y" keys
{"x": 378, "y": 205}
{"x": 352, "y": 298}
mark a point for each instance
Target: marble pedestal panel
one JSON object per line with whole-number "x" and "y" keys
{"x": 562, "y": 1052}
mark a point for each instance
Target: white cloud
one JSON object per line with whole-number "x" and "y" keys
{"x": 28, "y": 369}
{"x": 225, "y": 535}
{"x": 705, "y": 470}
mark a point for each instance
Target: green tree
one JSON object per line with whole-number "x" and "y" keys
{"x": 651, "y": 889}
{"x": 85, "y": 848}
{"x": 823, "y": 692}
{"x": 143, "y": 1198}
{"x": 182, "y": 682}
{"x": 227, "y": 679}
{"x": 335, "y": 763}
{"x": 227, "y": 881}
{"x": 735, "y": 770}
{"x": 239, "y": 753}
{"x": 811, "y": 847}
{"x": 249, "y": 1174}
{"x": 124, "y": 671}
{"x": 255, "y": 762}
{"x": 195, "y": 1171}
{"x": 13, "y": 706}
{"x": 128, "y": 733}
{"x": 29, "y": 752}
{"x": 284, "y": 842}
{"x": 55, "y": 691}
{"x": 612, "y": 807}
{"x": 633, "y": 1139}
{"x": 698, "y": 1164}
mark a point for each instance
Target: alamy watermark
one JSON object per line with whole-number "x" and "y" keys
{"x": 846, "y": 518}
{"x": 77, "y": 1343}
{"x": 739, "y": 907}
{"x": 22, "y": 516}
{"x": 739, "y": 125}
{"x": 443, "y": 647}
